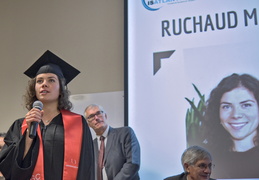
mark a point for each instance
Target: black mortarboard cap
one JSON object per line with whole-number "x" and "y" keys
{"x": 50, "y": 63}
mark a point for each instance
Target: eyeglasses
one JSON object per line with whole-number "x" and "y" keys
{"x": 92, "y": 116}
{"x": 203, "y": 166}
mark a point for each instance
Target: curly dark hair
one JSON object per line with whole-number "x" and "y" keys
{"x": 215, "y": 134}
{"x": 63, "y": 102}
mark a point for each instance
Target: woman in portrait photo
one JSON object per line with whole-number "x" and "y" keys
{"x": 231, "y": 127}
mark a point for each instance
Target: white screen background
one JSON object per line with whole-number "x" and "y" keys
{"x": 156, "y": 104}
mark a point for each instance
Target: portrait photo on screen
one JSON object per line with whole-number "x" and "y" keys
{"x": 227, "y": 125}
{"x": 223, "y": 117}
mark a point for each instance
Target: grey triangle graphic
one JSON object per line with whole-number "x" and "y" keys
{"x": 157, "y": 56}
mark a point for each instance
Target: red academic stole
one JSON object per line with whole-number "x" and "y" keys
{"x": 73, "y": 131}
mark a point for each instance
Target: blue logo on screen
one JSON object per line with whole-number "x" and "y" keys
{"x": 149, "y": 5}
{"x": 154, "y": 5}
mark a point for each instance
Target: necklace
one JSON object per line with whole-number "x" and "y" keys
{"x": 50, "y": 117}
{"x": 47, "y": 122}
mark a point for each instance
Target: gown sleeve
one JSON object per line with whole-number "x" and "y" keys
{"x": 12, "y": 164}
{"x": 86, "y": 168}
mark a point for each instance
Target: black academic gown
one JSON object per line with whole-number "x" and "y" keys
{"x": 14, "y": 167}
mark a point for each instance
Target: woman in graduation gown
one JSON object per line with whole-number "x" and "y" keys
{"x": 61, "y": 147}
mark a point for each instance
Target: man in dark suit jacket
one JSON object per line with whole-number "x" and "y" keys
{"x": 197, "y": 164}
{"x": 122, "y": 150}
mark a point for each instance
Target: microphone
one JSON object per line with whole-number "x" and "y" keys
{"x": 34, "y": 124}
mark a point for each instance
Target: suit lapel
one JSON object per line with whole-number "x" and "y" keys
{"x": 96, "y": 149}
{"x": 109, "y": 142}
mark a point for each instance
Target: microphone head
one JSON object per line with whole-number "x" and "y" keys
{"x": 38, "y": 105}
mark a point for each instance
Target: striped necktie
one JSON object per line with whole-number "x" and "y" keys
{"x": 100, "y": 159}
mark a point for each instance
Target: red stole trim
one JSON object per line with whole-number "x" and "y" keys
{"x": 73, "y": 140}
{"x": 73, "y": 132}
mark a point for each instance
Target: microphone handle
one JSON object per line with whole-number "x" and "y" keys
{"x": 33, "y": 129}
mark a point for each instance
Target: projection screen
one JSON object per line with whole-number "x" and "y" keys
{"x": 178, "y": 52}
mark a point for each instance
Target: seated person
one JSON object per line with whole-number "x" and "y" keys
{"x": 197, "y": 165}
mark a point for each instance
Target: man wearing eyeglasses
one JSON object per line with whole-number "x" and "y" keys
{"x": 121, "y": 159}
{"x": 197, "y": 165}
